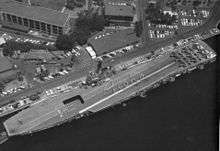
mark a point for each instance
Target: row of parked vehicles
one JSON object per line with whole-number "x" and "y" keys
{"x": 195, "y": 13}
{"x": 51, "y": 76}
{"x": 191, "y": 55}
{"x": 19, "y": 104}
{"x": 160, "y": 33}
{"x": 74, "y": 51}
{"x": 8, "y": 36}
{"x": 119, "y": 51}
{"x": 191, "y": 22}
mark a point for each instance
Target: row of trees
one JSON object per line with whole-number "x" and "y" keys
{"x": 3, "y": 82}
{"x": 86, "y": 24}
{"x": 71, "y": 4}
{"x": 11, "y": 46}
{"x": 2, "y": 87}
{"x": 156, "y": 16}
{"x": 138, "y": 29}
{"x": 173, "y": 4}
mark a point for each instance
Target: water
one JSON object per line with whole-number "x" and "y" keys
{"x": 176, "y": 116}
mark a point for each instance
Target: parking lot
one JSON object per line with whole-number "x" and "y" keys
{"x": 59, "y": 66}
{"x": 191, "y": 54}
{"x": 17, "y": 38}
{"x": 119, "y": 52}
{"x": 188, "y": 18}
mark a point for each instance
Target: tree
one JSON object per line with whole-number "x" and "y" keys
{"x": 138, "y": 28}
{"x": 11, "y": 46}
{"x": 34, "y": 97}
{"x": 2, "y": 87}
{"x": 71, "y": 4}
{"x": 64, "y": 42}
{"x": 74, "y": 59}
{"x": 175, "y": 32}
{"x": 99, "y": 67}
{"x": 44, "y": 73}
{"x": 81, "y": 36}
{"x": 98, "y": 2}
{"x": 20, "y": 76}
{"x": 86, "y": 24}
{"x": 98, "y": 22}
{"x": 83, "y": 22}
{"x": 7, "y": 51}
{"x": 196, "y": 3}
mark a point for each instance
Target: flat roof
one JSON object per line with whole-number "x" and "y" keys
{"x": 108, "y": 41}
{"x": 118, "y": 8}
{"x": 34, "y": 12}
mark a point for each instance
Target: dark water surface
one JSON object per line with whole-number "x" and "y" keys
{"x": 176, "y": 116}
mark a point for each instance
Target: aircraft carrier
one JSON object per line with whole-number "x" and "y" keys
{"x": 106, "y": 87}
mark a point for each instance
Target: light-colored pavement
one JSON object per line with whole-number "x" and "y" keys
{"x": 148, "y": 47}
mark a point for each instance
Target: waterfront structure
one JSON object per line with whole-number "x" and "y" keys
{"x": 24, "y": 17}
{"x": 99, "y": 85}
{"x": 74, "y": 99}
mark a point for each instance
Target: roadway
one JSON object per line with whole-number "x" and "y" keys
{"x": 153, "y": 45}
{"x": 31, "y": 119}
{"x": 49, "y": 84}
{"x": 125, "y": 85}
{"x": 212, "y": 22}
{"x": 151, "y": 76}
{"x": 132, "y": 89}
{"x": 83, "y": 65}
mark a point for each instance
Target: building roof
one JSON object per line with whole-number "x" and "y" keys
{"x": 105, "y": 42}
{"x": 34, "y": 12}
{"x": 118, "y": 8}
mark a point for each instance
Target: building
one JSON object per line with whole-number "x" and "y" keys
{"x": 119, "y": 12}
{"x": 23, "y": 17}
{"x": 108, "y": 41}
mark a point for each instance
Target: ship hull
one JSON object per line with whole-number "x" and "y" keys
{"x": 127, "y": 84}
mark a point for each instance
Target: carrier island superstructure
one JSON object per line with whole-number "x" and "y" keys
{"x": 107, "y": 87}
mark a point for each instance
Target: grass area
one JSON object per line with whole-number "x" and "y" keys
{"x": 5, "y": 64}
{"x": 52, "y": 4}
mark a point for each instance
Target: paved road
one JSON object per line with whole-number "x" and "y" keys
{"x": 50, "y": 84}
{"x": 212, "y": 22}
{"x": 49, "y": 109}
{"x": 152, "y": 73}
{"x": 133, "y": 89}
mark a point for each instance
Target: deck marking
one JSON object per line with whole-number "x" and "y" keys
{"x": 89, "y": 107}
